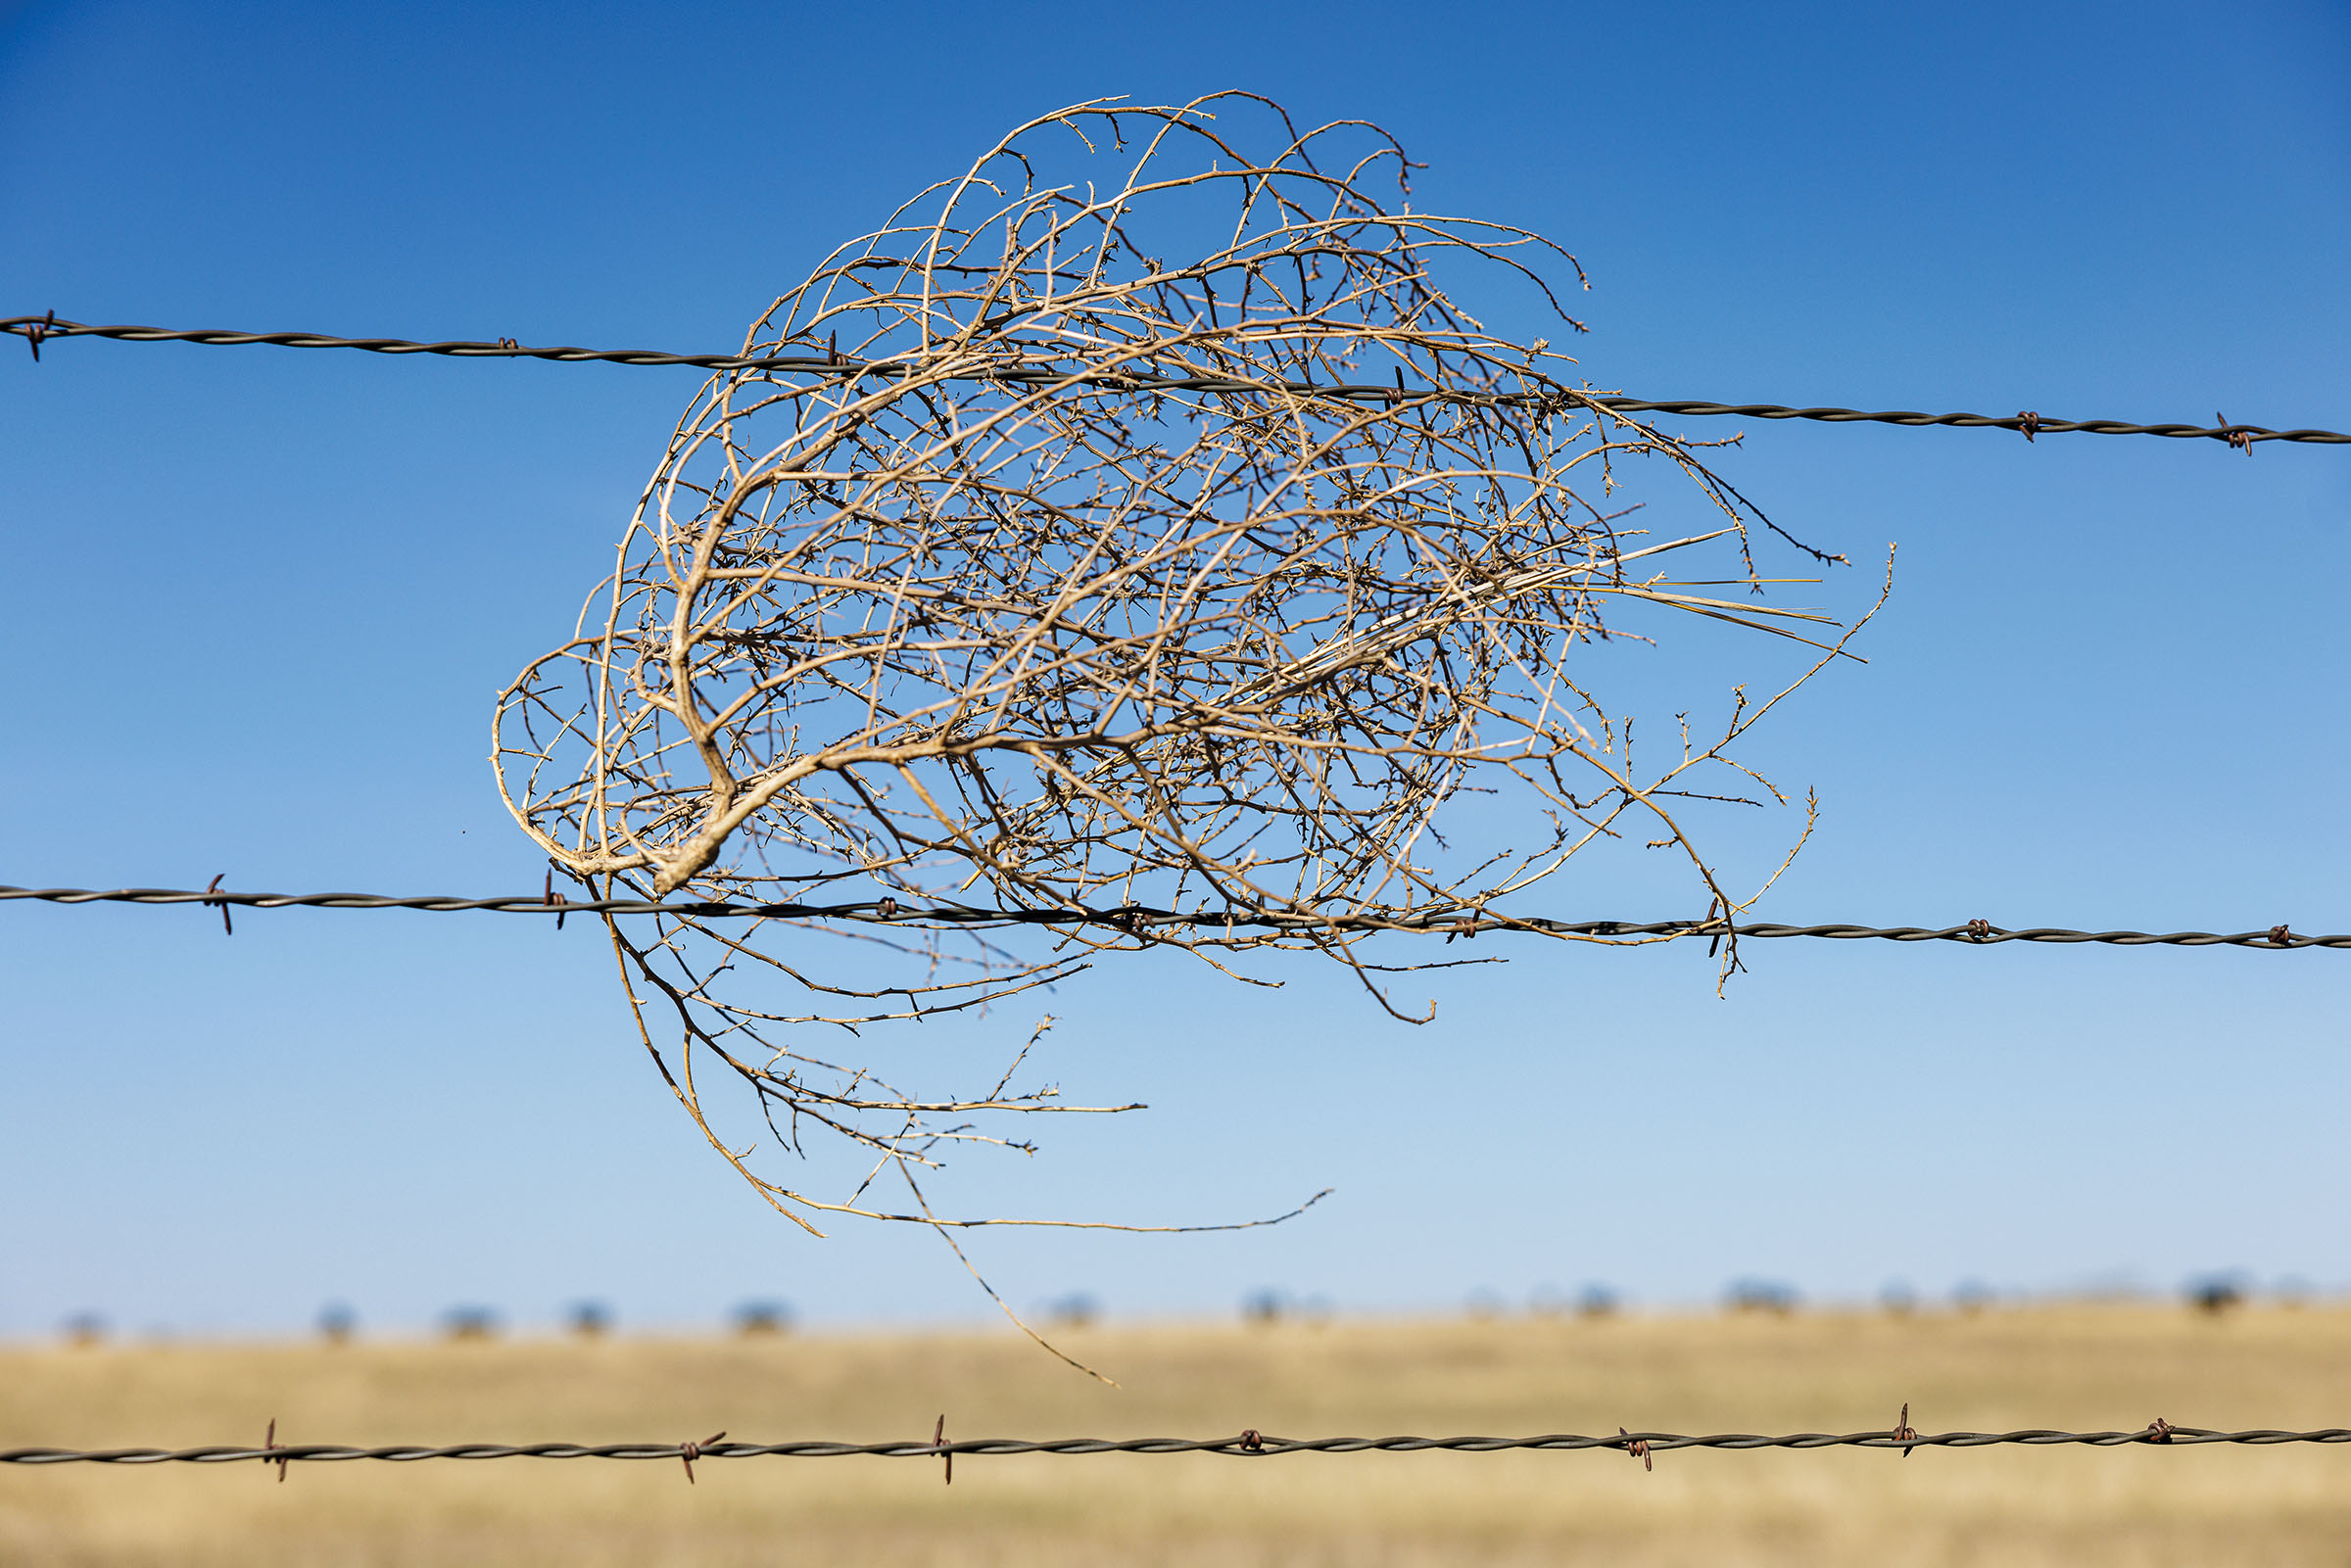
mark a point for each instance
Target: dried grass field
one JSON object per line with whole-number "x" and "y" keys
{"x": 2071, "y": 1366}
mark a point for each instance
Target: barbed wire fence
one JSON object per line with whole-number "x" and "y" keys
{"x": 1643, "y": 1445}
{"x": 39, "y": 329}
{"x": 1466, "y": 923}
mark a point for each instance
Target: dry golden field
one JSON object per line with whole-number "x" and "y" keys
{"x": 2072, "y": 1366}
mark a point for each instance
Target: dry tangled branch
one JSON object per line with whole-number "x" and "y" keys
{"x": 1071, "y": 588}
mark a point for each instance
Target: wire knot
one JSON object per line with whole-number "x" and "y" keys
{"x": 691, "y": 1451}
{"x": 2028, "y": 422}
{"x": 2159, "y": 1430}
{"x": 2280, "y": 936}
{"x": 1251, "y": 1440}
{"x": 1638, "y": 1449}
{"x": 35, "y": 331}
{"x": 1978, "y": 929}
{"x": 2241, "y": 440}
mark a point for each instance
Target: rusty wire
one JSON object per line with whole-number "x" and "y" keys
{"x": 1252, "y": 1444}
{"x": 39, "y": 329}
{"x": 1973, "y": 933}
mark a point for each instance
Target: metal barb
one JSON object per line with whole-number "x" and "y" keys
{"x": 691, "y": 1451}
{"x": 1903, "y": 1433}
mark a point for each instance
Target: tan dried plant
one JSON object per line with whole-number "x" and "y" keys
{"x": 1145, "y": 548}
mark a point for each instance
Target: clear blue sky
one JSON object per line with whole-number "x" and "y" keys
{"x": 260, "y": 601}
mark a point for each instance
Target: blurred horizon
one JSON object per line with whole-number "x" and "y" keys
{"x": 338, "y": 1322}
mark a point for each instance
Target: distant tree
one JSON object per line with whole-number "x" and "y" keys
{"x": 762, "y": 1317}
{"x": 1752, "y": 1295}
{"x": 1261, "y": 1307}
{"x": 1077, "y": 1309}
{"x": 2214, "y": 1294}
{"x": 337, "y": 1323}
{"x": 469, "y": 1323}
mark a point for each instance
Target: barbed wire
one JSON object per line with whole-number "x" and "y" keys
{"x": 38, "y": 329}
{"x": 1251, "y": 1444}
{"x": 1448, "y": 924}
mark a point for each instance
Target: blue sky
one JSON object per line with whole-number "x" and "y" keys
{"x": 261, "y": 601}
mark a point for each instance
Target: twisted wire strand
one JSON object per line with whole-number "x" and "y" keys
{"x": 38, "y": 329}
{"x": 1248, "y": 1444}
{"x": 1134, "y": 915}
